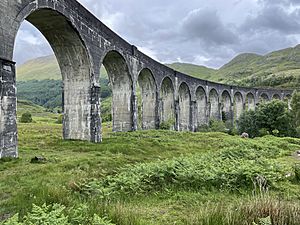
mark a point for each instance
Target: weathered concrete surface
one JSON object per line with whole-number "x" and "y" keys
{"x": 184, "y": 107}
{"x": 8, "y": 123}
{"x": 250, "y": 102}
{"x": 167, "y": 101}
{"x": 149, "y": 99}
{"x": 201, "y": 107}
{"x": 226, "y": 106}
{"x": 214, "y": 105}
{"x": 238, "y": 105}
{"x": 82, "y": 44}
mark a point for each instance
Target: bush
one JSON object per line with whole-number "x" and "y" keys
{"x": 167, "y": 125}
{"x": 217, "y": 126}
{"x": 297, "y": 172}
{"x": 55, "y": 215}
{"x": 26, "y": 118}
{"x": 269, "y": 118}
{"x": 60, "y": 119}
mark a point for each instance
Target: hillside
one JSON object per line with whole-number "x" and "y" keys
{"x": 276, "y": 69}
{"x": 201, "y": 72}
{"x": 39, "y": 79}
{"x": 152, "y": 177}
{"x": 43, "y": 68}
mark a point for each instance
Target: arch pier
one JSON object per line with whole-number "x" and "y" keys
{"x": 82, "y": 44}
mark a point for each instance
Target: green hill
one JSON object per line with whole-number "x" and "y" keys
{"x": 201, "y": 72}
{"x": 43, "y": 68}
{"x": 276, "y": 69}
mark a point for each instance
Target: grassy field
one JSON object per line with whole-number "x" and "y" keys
{"x": 154, "y": 177}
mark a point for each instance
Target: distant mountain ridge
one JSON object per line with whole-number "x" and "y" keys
{"x": 276, "y": 69}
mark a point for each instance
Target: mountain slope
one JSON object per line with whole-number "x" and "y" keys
{"x": 197, "y": 71}
{"x": 276, "y": 69}
{"x": 43, "y": 68}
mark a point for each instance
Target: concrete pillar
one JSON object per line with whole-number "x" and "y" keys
{"x": 193, "y": 116}
{"x": 177, "y": 121}
{"x": 96, "y": 127}
{"x": 134, "y": 110}
{"x": 8, "y": 106}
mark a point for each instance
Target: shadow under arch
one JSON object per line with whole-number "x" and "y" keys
{"x": 276, "y": 96}
{"x": 148, "y": 107}
{"x": 238, "y": 105}
{"x": 214, "y": 107}
{"x": 122, "y": 91}
{"x": 263, "y": 98}
{"x": 250, "y": 102}
{"x": 184, "y": 113}
{"x": 226, "y": 109}
{"x": 201, "y": 107}
{"x": 167, "y": 103}
{"x": 75, "y": 66}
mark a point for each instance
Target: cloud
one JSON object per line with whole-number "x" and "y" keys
{"x": 206, "y": 25}
{"x": 194, "y": 31}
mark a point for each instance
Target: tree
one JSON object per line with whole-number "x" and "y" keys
{"x": 270, "y": 117}
{"x": 248, "y": 123}
{"x": 26, "y": 118}
{"x": 295, "y": 105}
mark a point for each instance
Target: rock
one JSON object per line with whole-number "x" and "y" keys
{"x": 245, "y": 135}
{"x": 38, "y": 159}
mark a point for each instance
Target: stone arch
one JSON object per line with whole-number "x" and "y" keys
{"x": 238, "y": 105}
{"x": 276, "y": 96}
{"x": 250, "y": 102}
{"x": 148, "y": 91}
{"x": 201, "y": 104}
{"x": 76, "y": 69}
{"x": 121, "y": 85}
{"x": 264, "y": 97}
{"x": 214, "y": 109}
{"x": 184, "y": 114}
{"x": 167, "y": 102}
{"x": 226, "y": 104}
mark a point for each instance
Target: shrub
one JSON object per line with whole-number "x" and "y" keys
{"x": 268, "y": 117}
{"x": 26, "y": 118}
{"x": 217, "y": 126}
{"x": 297, "y": 172}
{"x": 60, "y": 119}
{"x": 55, "y": 215}
{"x": 167, "y": 125}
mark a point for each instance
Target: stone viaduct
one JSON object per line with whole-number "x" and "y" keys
{"x": 82, "y": 44}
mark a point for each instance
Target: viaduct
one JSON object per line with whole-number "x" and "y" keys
{"x": 82, "y": 44}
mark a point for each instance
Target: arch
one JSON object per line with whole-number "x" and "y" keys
{"x": 226, "y": 109}
{"x": 75, "y": 65}
{"x": 263, "y": 98}
{"x": 214, "y": 109}
{"x": 250, "y": 102}
{"x": 201, "y": 104}
{"x": 148, "y": 107}
{"x": 238, "y": 105}
{"x": 121, "y": 84}
{"x": 167, "y": 102}
{"x": 184, "y": 107}
{"x": 276, "y": 96}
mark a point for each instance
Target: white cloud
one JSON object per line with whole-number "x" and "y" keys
{"x": 195, "y": 31}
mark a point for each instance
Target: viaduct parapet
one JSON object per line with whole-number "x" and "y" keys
{"x": 82, "y": 44}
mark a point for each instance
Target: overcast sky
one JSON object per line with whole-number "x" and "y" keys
{"x": 194, "y": 31}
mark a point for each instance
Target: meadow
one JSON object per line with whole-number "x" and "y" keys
{"x": 151, "y": 177}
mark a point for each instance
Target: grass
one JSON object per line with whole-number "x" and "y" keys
{"x": 72, "y": 165}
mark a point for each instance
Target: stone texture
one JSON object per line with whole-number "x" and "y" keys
{"x": 82, "y": 44}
